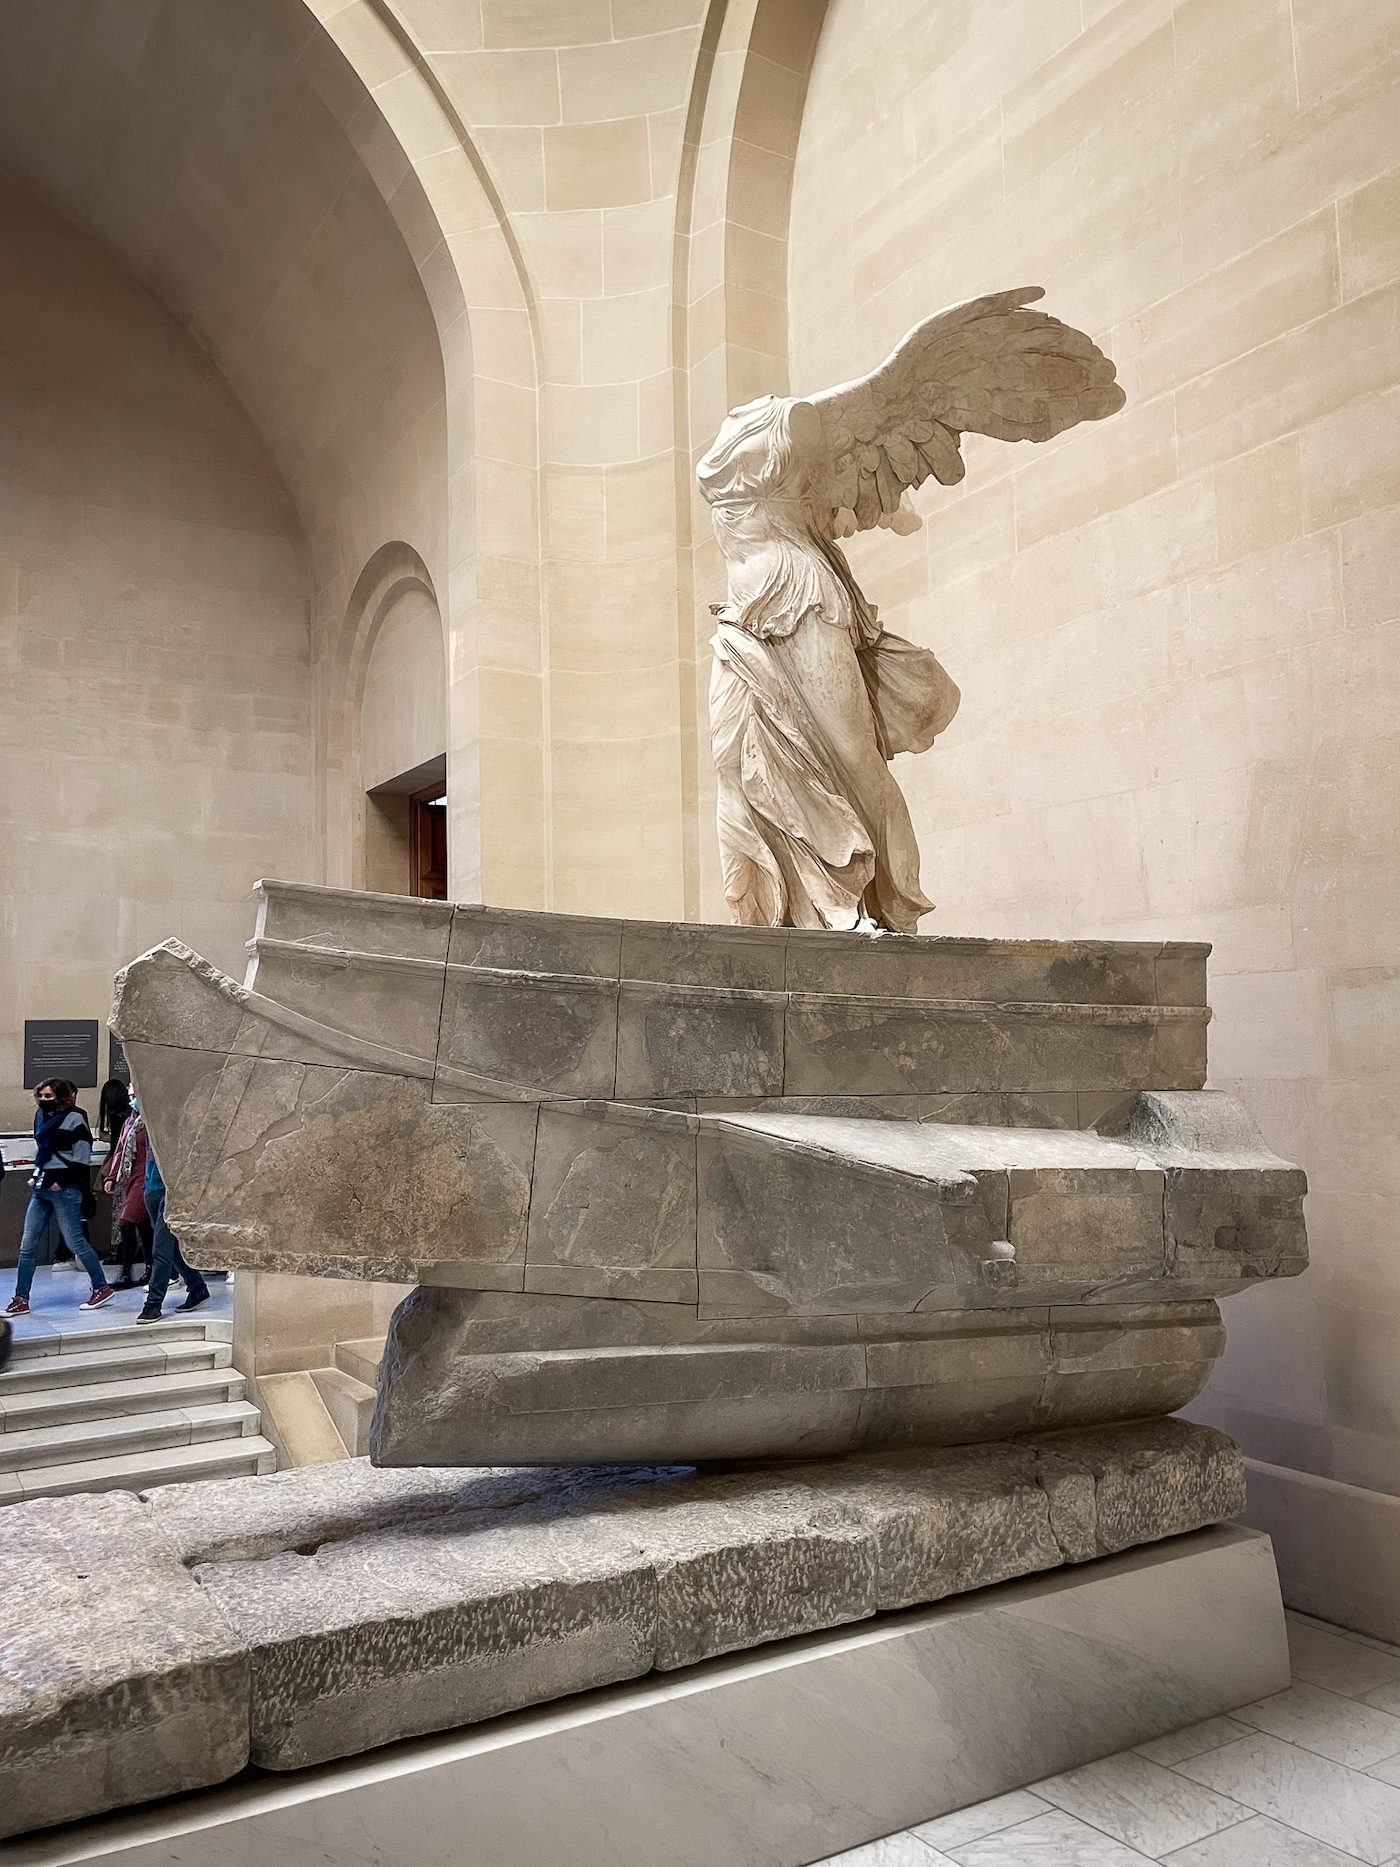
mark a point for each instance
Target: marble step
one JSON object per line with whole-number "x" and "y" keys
{"x": 129, "y": 1335}
{"x": 240, "y": 1457}
{"x": 361, "y": 1359}
{"x": 80, "y": 1440}
{"x": 66, "y": 1406}
{"x": 350, "y": 1403}
{"x": 85, "y": 1367}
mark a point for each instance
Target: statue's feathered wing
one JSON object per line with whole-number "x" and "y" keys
{"x": 989, "y": 366}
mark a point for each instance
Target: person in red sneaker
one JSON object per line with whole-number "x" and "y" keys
{"x": 62, "y": 1169}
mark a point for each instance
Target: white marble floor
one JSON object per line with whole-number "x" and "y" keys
{"x": 1308, "y": 1778}
{"x": 56, "y": 1298}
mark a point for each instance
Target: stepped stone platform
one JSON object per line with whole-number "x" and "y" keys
{"x": 313, "y": 1614}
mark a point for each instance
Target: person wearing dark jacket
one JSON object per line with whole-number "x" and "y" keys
{"x": 61, "y": 1178}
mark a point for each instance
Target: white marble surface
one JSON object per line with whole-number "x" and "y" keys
{"x": 1282, "y": 1782}
{"x": 782, "y": 1756}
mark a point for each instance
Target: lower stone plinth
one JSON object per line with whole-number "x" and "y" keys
{"x": 772, "y": 1758}
{"x": 323, "y": 1612}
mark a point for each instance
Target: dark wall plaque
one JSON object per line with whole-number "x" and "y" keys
{"x": 60, "y": 1047}
{"x": 117, "y": 1064}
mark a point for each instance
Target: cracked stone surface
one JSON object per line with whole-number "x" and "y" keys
{"x": 317, "y": 1613}
{"x": 120, "y": 1681}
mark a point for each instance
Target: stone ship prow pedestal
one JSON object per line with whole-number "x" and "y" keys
{"x": 674, "y": 1192}
{"x": 805, "y": 1313}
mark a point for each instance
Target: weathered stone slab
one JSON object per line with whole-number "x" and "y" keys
{"x": 311, "y": 1169}
{"x": 320, "y": 1612}
{"x": 400, "y": 1632}
{"x": 1117, "y": 972}
{"x": 947, "y": 1522}
{"x": 387, "y": 999}
{"x": 1153, "y": 1478}
{"x": 551, "y": 1034}
{"x": 350, "y": 920}
{"x": 890, "y": 1046}
{"x": 747, "y": 1558}
{"x": 525, "y": 940}
{"x": 676, "y": 1040}
{"x": 683, "y": 953}
{"x": 120, "y": 1681}
{"x": 612, "y": 1210}
{"x": 1233, "y": 1208}
{"x": 518, "y": 1587}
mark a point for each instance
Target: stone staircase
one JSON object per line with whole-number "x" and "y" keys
{"x": 125, "y": 1409}
{"x": 318, "y": 1415}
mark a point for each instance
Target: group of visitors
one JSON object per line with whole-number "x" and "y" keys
{"x": 60, "y": 1190}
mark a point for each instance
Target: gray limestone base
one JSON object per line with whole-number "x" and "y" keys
{"x": 773, "y": 1758}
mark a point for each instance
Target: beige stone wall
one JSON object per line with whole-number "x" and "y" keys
{"x": 156, "y": 734}
{"x": 403, "y": 709}
{"x": 486, "y": 278}
{"x": 218, "y": 150}
{"x": 1175, "y": 633}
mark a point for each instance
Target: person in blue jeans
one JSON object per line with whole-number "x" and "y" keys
{"x": 166, "y": 1257}
{"x": 62, "y": 1165}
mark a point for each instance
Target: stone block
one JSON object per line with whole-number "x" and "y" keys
{"x": 386, "y": 999}
{"x": 349, "y": 920}
{"x": 320, "y": 1612}
{"x": 946, "y": 1522}
{"x": 748, "y": 1558}
{"x": 1130, "y": 1364}
{"x": 612, "y": 1208}
{"x": 473, "y": 1378}
{"x": 948, "y": 1389}
{"x": 1153, "y": 1478}
{"x": 889, "y": 1046}
{"x": 121, "y": 1680}
{"x": 543, "y": 1032}
{"x": 691, "y": 1402}
{"x": 676, "y": 1040}
{"x": 380, "y": 1178}
{"x": 1234, "y": 1210}
{"x": 788, "y": 1201}
{"x": 518, "y": 940}
{"x": 402, "y": 1631}
{"x": 1085, "y": 1227}
{"x": 170, "y": 996}
{"x": 752, "y": 959}
{"x": 990, "y": 971}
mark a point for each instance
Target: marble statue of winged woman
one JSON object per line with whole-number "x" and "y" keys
{"x": 810, "y": 698}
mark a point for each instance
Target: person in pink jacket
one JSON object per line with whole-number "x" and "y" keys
{"x": 125, "y": 1182}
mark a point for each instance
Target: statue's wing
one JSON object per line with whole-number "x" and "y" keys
{"x": 990, "y": 366}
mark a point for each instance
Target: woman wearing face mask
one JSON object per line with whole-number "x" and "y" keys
{"x": 125, "y": 1181}
{"x": 62, "y": 1166}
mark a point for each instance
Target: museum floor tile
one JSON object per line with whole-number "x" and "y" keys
{"x": 1307, "y": 1778}
{"x": 56, "y": 1299}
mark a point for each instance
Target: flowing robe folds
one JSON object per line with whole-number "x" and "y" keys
{"x": 809, "y": 696}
